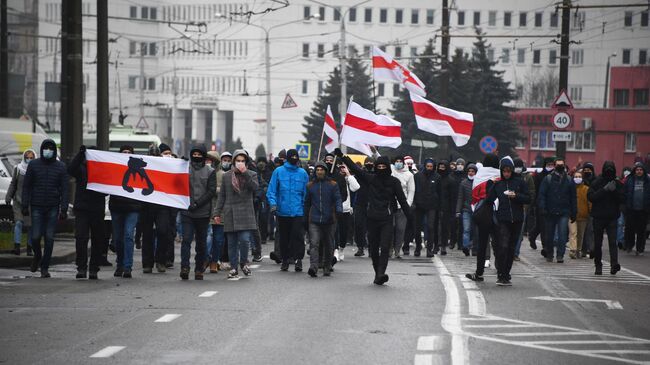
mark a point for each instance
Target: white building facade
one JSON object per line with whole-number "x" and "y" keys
{"x": 204, "y": 79}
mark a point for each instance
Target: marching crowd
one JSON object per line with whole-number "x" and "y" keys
{"x": 384, "y": 206}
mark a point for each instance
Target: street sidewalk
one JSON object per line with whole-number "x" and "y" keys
{"x": 63, "y": 253}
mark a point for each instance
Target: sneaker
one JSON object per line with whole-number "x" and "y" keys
{"x": 30, "y": 252}
{"x": 560, "y": 260}
{"x": 327, "y": 271}
{"x": 45, "y": 274}
{"x": 516, "y": 258}
{"x": 233, "y": 274}
{"x": 381, "y": 279}
{"x": 275, "y": 257}
{"x": 34, "y": 266}
{"x": 573, "y": 255}
{"x": 336, "y": 254}
{"x": 298, "y": 267}
{"x": 161, "y": 268}
{"x": 341, "y": 254}
{"x": 487, "y": 264}
{"x": 284, "y": 267}
{"x": 506, "y": 282}
{"x": 501, "y": 282}
{"x": 81, "y": 274}
{"x": 246, "y": 270}
{"x": 549, "y": 259}
{"x": 93, "y": 275}
{"x": 147, "y": 270}
{"x": 543, "y": 252}
{"x": 474, "y": 277}
{"x": 599, "y": 270}
{"x": 257, "y": 258}
{"x": 119, "y": 272}
{"x": 225, "y": 266}
{"x": 639, "y": 253}
{"x": 615, "y": 268}
{"x": 104, "y": 262}
{"x": 406, "y": 252}
{"x": 417, "y": 252}
{"x": 466, "y": 251}
{"x": 359, "y": 252}
{"x": 430, "y": 253}
{"x": 169, "y": 265}
{"x": 312, "y": 272}
{"x": 16, "y": 250}
{"x": 533, "y": 245}
{"x": 198, "y": 275}
{"x": 185, "y": 273}
{"x": 138, "y": 245}
{"x": 127, "y": 274}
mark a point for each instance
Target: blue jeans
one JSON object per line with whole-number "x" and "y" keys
{"x": 215, "y": 242}
{"x": 123, "y": 234}
{"x": 469, "y": 230}
{"x": 561, "y": 224}
{"x": 44, "y": 224}
{"x": 238, "y": 244}
{"x": 18, "y": 234}
{"x": 620, "y": 229}
{"x": 521, "y": 234}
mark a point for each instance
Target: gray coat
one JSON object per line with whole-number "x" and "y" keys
{"x": 202, "y": 189}
{"x": 15, "y": 193}
{"x": 464, "y": 202}
{"x": 236, "y": 209}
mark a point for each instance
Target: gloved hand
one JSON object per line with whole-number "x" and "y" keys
{"x": 63, "y": 215}
{"x": 192, "y": 207}
{"x": 338, "y": 153}
{"x": 7, "y": 201}
{"x": 610, "y": 186}
{"x": 25, "y": 211}
{"x": 572, "y": 219}
{"x": 457, "y": 215}
{"x": 274, "y": 209}
{"x": 82, "y": 148}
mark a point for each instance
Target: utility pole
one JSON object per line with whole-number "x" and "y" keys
{"x": 4, "y": 61}
{"x": 344, "y": 80}
{"x": 175, "y": 131}
{"x": 267, "y": 64}
{"x": 444, "y": 71}
{"x": 560, "y": 147}
{"x": 143, "y": 81}
{"x": 72, "y": 86}
{"x": 103, "y": 120}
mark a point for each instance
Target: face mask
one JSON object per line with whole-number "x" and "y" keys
{"x": 294, "y": 160}
{"x": 48, "y": 153}
{"x": 225, "y": 166}
{"x": 369, "y": 167}
{"x": 548, "y": 169}
{"x": 196, "y": 159}
{"x": 28, "y": 160}
{"x": 399, "y": 165}
{"x": 460, "y": 167}
{"x": 170, "y": 156}
{"x": 261, "y": 166}
{"x": 320, "y": 174}
{"x": 518, "y": 170}
{"x": 586, "y": 174}
{"x": 559, "y": 168}
{"x": 626, "y": 173}
{"x": 239, "y": 165}
{"x": 577, "y": 180}
{"x": 383, "y": 172}
{"x": 329, "y": 166}
{"x": 470, "y": 177}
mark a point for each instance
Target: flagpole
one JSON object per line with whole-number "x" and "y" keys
{"x": 372, "y": 75}
{"x": 320, "y": 146}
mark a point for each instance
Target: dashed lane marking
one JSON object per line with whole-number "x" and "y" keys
{"x": 423, "y": 359}
{"x": 107, "y": 351}
{"x": 207, "y": 294}
{"x": 167, "y": 318}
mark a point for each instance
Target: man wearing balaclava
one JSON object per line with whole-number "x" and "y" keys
{"x": 196, "y": 218}
{"x": 606, "y": 195}
{"x": 446, "y": 191}
{"x": 360, "y": 209}
{"x": 426, "y": 205}
{"x": 45, "y": 195}
{"x": 286, "y": 196}
{"x": 540, "y": 223}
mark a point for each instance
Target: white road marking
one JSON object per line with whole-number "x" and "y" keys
{"x": 611, "y": 304}
{"x": 500, "y": 325}
{"x": 540, "y": 334}
{"x": 423, "y": 359}
{"x": 642, "y": 352}
{"x": 254, "y": 266}
{"x": 475, "y": 298}
{"x": 108, "y": 351}
{"x": 589, "y": 342}
{"x": 429, "y": 343}
{"x": 451, "y": 316}
{"x": 167, "y": 318}
{"x": 207, "y": 294}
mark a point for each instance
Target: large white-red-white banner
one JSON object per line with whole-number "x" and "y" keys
{"x": 362, "y": 126}
{"x": 330, "y": 131}
{"x": 442, "y": 121}
{"x": 158, "y": 180}
{"x": 385, "y": 68}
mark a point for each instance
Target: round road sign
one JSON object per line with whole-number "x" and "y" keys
{"x": 488, "y": 144}
{"x": 561, "y": 120}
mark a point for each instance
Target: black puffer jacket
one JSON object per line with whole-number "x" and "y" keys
{"x": 447, "y": 190}
{"x": 84, "y": 200}
{"x": 606, "y": 204}
{"x": 426, "y": 190}
{"x": 46, "y": 181}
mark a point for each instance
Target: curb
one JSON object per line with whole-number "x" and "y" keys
{"x": 25, "y": 261}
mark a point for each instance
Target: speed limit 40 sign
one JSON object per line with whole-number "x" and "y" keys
{"x": 561, "y": 120}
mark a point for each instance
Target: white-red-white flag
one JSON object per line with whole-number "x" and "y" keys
{"x": 442, "y": 121}
{"x": 362, "y": 126}
{"x": 385, "y": 68}
{"x": 330, "y": 131}
{"x": 158, "y": 180}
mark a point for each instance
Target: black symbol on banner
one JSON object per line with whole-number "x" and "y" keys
{"x": 136, "y": 167}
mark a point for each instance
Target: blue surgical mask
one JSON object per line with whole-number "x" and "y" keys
{"x": 399, "y": 165}
{"x": 577, "y": 180}
{"x": 48, "y": 153}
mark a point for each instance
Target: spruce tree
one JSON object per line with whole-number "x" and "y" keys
{"x": 260, "y": 151}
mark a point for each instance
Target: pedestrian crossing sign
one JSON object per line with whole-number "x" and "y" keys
{"x": 304, "y": 150}
{"x": 288, "y": 102}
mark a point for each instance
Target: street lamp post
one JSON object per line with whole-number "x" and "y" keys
{"x": 267, "y": 64}
{"x": 607, "y": 80}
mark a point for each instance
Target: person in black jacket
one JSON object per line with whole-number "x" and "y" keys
{"x": 361, "y": 208}
{"x": 637, "y": 206}
{"x": 89, "y": 218}
{"x": 540, "y": 224}
{"x": 446, "y": 191}
{"x": 383, "y": 190}
{"x": 606, "y": 195}
{"x": 511, "y": 193}
{"x": 426, "y": 205}
{"x": 45, "y": 194}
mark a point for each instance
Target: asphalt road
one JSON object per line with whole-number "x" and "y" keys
{"x": 426, "y": 314}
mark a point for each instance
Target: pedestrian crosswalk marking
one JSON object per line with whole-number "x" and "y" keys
{"x": 207, "y": 294}
{"x": 167, "y": 318}
{"x": 107, "y": 351}
{"x": 423, "y": 359}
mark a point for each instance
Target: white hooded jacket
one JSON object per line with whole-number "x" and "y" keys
{"x": 406, "y": 178}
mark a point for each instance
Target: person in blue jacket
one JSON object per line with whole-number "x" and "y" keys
{"x": 286, "y": 196}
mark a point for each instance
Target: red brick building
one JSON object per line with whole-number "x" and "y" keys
{"x": 618, "y": 133}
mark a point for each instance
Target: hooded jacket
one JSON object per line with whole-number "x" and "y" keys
{"x": 447, "y": 189}
{"x": 426, "y": 189}
{"x": 630, "y": 184}
{"x": 464, "y": 199}
{"x": 84, "y": 200}
{"x": 509, "y": 210}
{"x": 407, "y": 182}
{"x": 323, "y": 199}
{"x": 203, "y": 185}
{"x": 287, "y": 190}
{"x": 606, "y": 204}
{"x": 46, "y": 181}
{"x": 237, "y": 209}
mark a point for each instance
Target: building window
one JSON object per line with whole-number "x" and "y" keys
{"x": 380, "y": 89}
{"x": 321, "y": 50}
{"x": 153, "y": 49}
{"x": 630, "y": 142}
{"x": 352, "y": 15}
{"x": 306, "y": 13}
{"x": 542, "y": 140}
{"x": 153, "y": 13}
{"x": 366, "y": 50}
{"x": 398, "y": 52}
{"x": 492, "y": 18}
{"x": 430, "y": 15}
{"x": 644, "y": 18}
{"x": 522, "y": 19}
{"x": 536, "y": 56}
{"x": 505, "y": 55}
{"x": 337, "y": 14}
{"x": 627, "y": 54}
{"x": 577, "y": 56}
{"x": 320, "y": 87}
{"x": 490, "y": 54}
{"x": 520, "y": 143}
{"x": 578, "y": 20}
{"x": 477, "y": 18}
{"x": 383, "y": 15}
{"x": 581, "y": 141}
{"x": 399, "y": 14}
{"x": 133, "y": 48}
{"x": 628, "y": 19}
{"x": 144, "y": 12}
{"x": 152, "y": 84}
{"x": 395, "y": 90}
{"x": 534, "y": 139}
{"x": 554, "y": 20}
{"x": 621, "y": 97}
{"x": 461, "y": 18}
{"x": 133, "y": 13}
{"x": 507, "y": 19}
{"x": 538, "y": 19}
{"x": 304, "y": 87}
{"x": 321, "y": 13}
{"x": 367, "y": 15}
{"x": 552, "y": 57}
{"x": 576, "y": 93}
{"x": 521, "y": 55}
{"x": 640, "y": 97}
{"x": 305, "y": 50}
{"x": 133, "y": 82}
{"x": 643, "y": 56}
{"x": 415, "y": 16}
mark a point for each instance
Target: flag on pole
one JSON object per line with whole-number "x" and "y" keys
{"x": 362, "y": 126}
{"x": 442, "y": 121}
{"x": 479, "y": 184}
{"x": 386, "y": 69}
{"x": 158, "y": 180}
{"x": 330, "y": 130}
